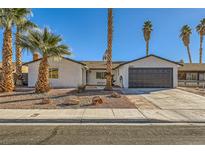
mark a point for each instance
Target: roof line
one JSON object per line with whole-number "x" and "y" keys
{"x": 147, "y": 57}
{"x": 61, "y": 57}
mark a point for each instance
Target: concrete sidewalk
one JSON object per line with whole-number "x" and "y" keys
{"x": 96, "y": 116}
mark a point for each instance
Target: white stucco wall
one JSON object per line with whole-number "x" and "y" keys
{"x": 71, "y": 74}
{"x": 91, "y": 77}
{"x": 149, "y": 62}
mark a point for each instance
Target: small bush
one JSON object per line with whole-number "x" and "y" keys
{"x": 81, "y": 88}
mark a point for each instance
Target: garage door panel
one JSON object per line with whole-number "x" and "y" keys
{"x": 150, "y": 77}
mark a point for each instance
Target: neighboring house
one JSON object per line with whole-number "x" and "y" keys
{"x": 150, "y": 71}
{"x": 192, "y": 75}
{"x": 24, "y": 72}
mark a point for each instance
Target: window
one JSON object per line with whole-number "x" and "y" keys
{"x": 191, "y": 76}
{"x": 53, "y": 73}
{"x": 100, "y": 75}
{"x": 201, "y": 76}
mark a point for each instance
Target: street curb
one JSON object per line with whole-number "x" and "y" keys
{"x": 134, "y": 121}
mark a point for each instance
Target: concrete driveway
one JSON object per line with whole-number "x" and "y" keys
{"x": 168, "y": 104}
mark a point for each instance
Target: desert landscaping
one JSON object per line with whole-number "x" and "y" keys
{"x": 26, "y": 98}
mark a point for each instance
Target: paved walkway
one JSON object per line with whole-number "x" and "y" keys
{"x": 70, "y": 115}
{"x": 100, "y": 116}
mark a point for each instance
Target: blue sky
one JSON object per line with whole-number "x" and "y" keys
{"x": 85, "y": 31}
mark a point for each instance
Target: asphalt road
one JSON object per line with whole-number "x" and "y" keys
{"x": 102, "y": 134}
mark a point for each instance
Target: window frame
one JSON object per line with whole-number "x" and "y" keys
{"x": 52, "y": 75}
{"x": 100, "y": 75}
{"x": 192, "y": 76}
{"x": 203, "y": 76}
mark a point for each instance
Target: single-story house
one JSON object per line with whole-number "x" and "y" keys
{"x": 191, "y": 75}
{"x": 149, "y": 72}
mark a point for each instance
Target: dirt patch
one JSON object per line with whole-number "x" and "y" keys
{"x": 60, "y": 100}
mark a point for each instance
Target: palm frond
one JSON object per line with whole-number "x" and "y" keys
{"x": 147, "y": 26}
{"x": 59, "y": 50}
{"x": 11, "y": 16}
{"x": 200, "y": 28}
{"x": 45, "y": 42}
{"x": 185, "y": 34}
{"x": 147, "y": 29}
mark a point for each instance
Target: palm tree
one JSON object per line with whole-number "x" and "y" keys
{"x": 8, "y": 17}
{"x": 147, "y": 29}
{"x": 109, "y": 52}
{"x": 185, "y": 36}
{"x": 200, "y": 28}
{"x": 21, "y": 26}
{"x": 48, "y": 45}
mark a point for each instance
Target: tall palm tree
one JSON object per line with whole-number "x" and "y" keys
{"x": 200, "y": 28}
{"x": 21, "y": 26}
{"x": 185, "y": 36}
{"x": 147, "y": 29}
{"x": 47, "y": 44}
{"x": 109, "y": 52}
{"x": 8, "y": 17}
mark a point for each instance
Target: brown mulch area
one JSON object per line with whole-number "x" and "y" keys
{"x": 59, "y": 99}
{"x": 195, "y": 90}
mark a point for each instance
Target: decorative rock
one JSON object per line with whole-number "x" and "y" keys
{"x": 97, "y": 100}
{"x": 73, "y": 101}
{"x": 70, "y": 101}
{"x": 46, "y": 101}
{"x": 115, "y": 95}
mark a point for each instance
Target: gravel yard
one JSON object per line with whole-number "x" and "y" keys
{"x": 61, "y": 99}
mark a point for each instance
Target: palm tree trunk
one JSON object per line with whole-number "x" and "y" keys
{"x": 147, "y": 48}
{"x": 7, "y": 67}
{"x": 109, "y": 54}
{"x": 200, "y": 50}
{"x": 18, "y": 57}
{"x": 42, "y": 84}
{"x": 189, "y": 53}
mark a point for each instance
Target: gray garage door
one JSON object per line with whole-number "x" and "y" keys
{"x": 150, "y": 77}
